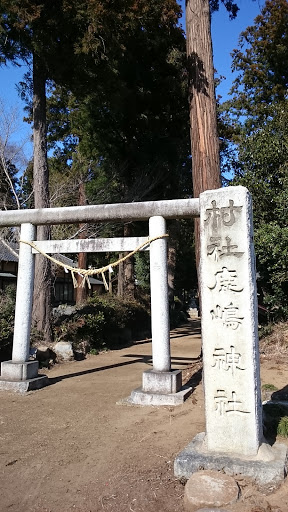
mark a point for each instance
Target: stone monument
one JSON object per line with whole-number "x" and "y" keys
{"x": 233, "y": 440}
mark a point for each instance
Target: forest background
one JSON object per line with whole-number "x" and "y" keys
{"x": 118, "y": 128}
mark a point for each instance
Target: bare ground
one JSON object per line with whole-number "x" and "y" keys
{"x": 73, "y": 446}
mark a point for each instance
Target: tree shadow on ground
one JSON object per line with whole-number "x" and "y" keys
{"x": 193, "y": 379}
{"x": 138, "y": 358}
{"x": 183, "y": 334}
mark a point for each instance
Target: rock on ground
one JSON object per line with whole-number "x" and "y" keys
{"x": 209, "y": 489}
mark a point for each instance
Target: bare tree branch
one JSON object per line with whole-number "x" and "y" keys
{"x": 11, "y": 153}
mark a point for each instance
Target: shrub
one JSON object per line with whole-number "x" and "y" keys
{"x": 271, "y": 245}
{"x": 101, "y": 322}
{"x": 7, "y": 311}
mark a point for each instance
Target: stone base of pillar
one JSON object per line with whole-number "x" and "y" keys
{"x": 160, "y": 388}
{"x": 162, "y": 383}
{"x": 268, "y": 468}
{"x": 18, "y": 370}
{"x": 139, "y": 397}
{"x": 21, "y": 376}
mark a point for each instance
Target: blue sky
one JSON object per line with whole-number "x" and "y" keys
{"x": 225, "y": 35}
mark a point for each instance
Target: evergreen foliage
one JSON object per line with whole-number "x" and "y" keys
{"x": 257, "y": 118}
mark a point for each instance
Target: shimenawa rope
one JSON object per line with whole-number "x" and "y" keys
{"x": 85, "y": 273}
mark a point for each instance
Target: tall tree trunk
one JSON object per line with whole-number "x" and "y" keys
{"x": 202, "y": 102}
{"x": 120, "y": 288}
{"x": 172, "y": 251}
{"x": 81, "y": 291}
{"x": 126, "y": 281}
{"x": 43, "y": 277}
{"x": 129, "y": 280}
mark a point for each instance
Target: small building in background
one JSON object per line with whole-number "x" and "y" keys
{"x": 8, "y": 264}
{"x": 63, "y": 289}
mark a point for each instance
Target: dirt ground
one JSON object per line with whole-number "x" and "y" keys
{"x": 74, "y": 446}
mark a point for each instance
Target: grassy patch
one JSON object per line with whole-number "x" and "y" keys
{"x": 282, "y": 429}
{"x": 269, "y": 387}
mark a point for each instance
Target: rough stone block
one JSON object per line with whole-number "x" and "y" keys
{"x": 19, "y": 371}
{"x": 211, "y": 489}
{"x": 63, "y": 351}
{"x": 161, "y": 382}
{"x": 267, "y": 468}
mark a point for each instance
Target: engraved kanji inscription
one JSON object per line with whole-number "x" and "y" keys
{"x": 215, "y": 247}
{"x": 229, "y": 315}
{"x": 226, "y": 361}
{"x": 226, "y": 280}
{"x": 219, "y": 251}
{"x": 228, "y": 215}
{"x": 225, "y": 406}
{"x": 224, "y": 215}
{"x": 228, "y": 250}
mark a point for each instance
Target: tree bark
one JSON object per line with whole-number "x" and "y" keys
{"x": 120, "y": 288}
{"x": 172, "y": 252}
{"x": 202, "y": 103}
{"x": 129, "y": 280}
{"x": 81, "y": 291}
{"x": 126, "y": 281}
{"x": 171, "y": 275}
{"x": 43, "y": 276}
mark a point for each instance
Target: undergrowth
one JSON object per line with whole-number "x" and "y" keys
{"x": 274, "y": 341}
{"x": 104, "y": 322}
{"x": 7, "y": 311}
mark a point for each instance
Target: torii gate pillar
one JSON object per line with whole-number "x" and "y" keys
{"x": 20, "y": 374}
{"x": 161, "y": 385}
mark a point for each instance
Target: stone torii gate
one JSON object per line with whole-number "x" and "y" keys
{"x": 233, "y": 441}
{"x": 160, "y": 386}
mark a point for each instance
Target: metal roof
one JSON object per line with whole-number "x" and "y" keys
{"x": 64, "y": 259}
{"x": 6, "y": 254}
{"x": 95, "y": 281}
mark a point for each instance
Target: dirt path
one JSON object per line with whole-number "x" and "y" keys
{"x": 72, "y": 446}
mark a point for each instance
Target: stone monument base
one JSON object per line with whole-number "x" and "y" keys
{"x": 21, "y": 376}
{"x": 140, "y": 397}
{"x": 268, "y": 468}
{"x": 160, "y": 388}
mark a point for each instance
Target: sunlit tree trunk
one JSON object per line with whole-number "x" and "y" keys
{"x": 203, "y": 121}
{"x": 120, "y": 288}
{"x": 172, "y": 254}
{"x": 126, "y": 280}
{"x": 43, "y": 278}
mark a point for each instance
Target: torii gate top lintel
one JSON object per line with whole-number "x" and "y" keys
{"x": 138, "y": 211}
